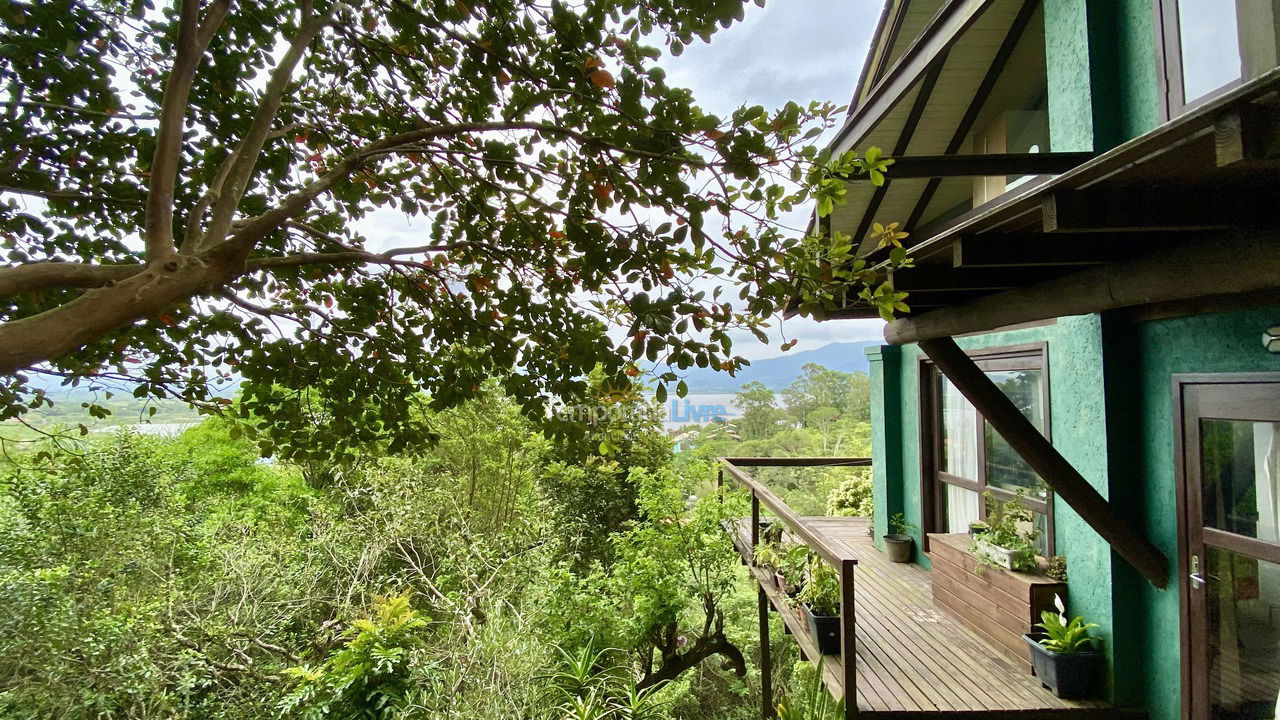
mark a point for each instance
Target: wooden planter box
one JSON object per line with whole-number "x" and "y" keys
{"x": 999, "y": 605}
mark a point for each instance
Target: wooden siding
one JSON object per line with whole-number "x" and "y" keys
{"x": 999, "y": 605}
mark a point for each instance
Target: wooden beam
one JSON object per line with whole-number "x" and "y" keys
{"x": 925, "y": 278}
{"x": 1230, "y": 265}
{"x": 1010, "y": 250}
{"x": 990, "y": 164}
{"x": 1157, "y": 209}
{"x": 976, "y": 104}
{"x": 1247, "y": 136}
{"x": 1044, "y": 458}
{"x": 942, "y": 32}
{"x": 904, "y": 141}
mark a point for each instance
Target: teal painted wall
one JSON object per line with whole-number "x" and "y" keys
{"x": 1143, "y": 359}
{"x": 1102, "y": 65}
{"x": 1078, "y": 428}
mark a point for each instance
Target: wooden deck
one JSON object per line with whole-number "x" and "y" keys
{"x": 911, "y": 659}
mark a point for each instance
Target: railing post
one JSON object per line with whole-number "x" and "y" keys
{"x": 720, "y": 483}
{"x": 766, "y": 664}
{"x": 755, "y": 524}
{"x": 848, "y": 639}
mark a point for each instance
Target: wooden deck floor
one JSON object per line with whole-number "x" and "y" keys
{"x": 912, "y": 660}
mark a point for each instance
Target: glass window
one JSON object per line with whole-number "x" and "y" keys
{"x": 973, "y": 459}
{"x": 1239, "y": 461}
{"x": 1210, "y": 44}
{"x": 959, "y": 433}
{"x": 1004, "y": 467}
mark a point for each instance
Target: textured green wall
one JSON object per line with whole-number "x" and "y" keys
{"x": 1101, "y": 61}
{"x": 1144, "y": 358}
{"x": 1077, "y": 425}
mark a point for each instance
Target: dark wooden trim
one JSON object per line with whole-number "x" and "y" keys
{"x": 1026, "y": 199}
{"x": 987, "y": 165}
{"x": 979, "y": 99}
{"x": 942, "y": 32}
{"x": 1190, "y": 403}
{"x": 904, "y": 142}
{"x": 1236, "y": 265}
{"x": 944, "y": 277}
{"x": 1023, "y": 356}
{"x": 767, "y": 709}
{"x": 1117, "y": 210}
{"x": 1043, "y": 458}
{"x": 848, "y": 637}
{"x": 764, "y": 495}
{"x": 797, "y": 461}
{"x": 1038, "y": 250}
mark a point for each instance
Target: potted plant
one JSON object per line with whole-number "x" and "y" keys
{"x": 791, "y": 570}
{"x": 1005, "y": 544}
{"x": 977, "y": 527}
{"x": 820, "y": 601}
{"x": 897, "y": 544}
{"x": 1063, "y": 655}
{"x": 768, "y": 557}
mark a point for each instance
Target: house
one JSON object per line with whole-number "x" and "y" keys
{"x": 1091, "y": 191}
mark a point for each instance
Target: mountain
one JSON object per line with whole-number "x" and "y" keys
{"x": 779, "y": 372}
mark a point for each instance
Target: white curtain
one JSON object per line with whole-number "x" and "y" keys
{"x": 960, "y": 434}
{"x": 962, "y": 508}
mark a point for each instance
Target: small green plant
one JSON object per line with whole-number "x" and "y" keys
{"x": 898, "y": 525}
{"x": 812, "y": 701}
{"x": 795, "y": 564}
{"x": 1005, "y": 529}
{"x": 822, "y": 592}
{"x": 767, "y": 555}
{"x": 1063, "y": 636}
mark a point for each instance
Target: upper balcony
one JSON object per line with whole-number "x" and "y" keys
{"x": 911, "y": 659}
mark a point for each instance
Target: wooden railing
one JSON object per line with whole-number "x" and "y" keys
{"x": 838, "y": 558}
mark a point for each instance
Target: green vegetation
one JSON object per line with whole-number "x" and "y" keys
{"x": 151, "y": 577}
{"x": 1063, "y": 636}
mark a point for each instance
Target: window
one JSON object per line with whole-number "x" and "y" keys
{"x": 1213, "y": 45}
{"x": 966, "y": 459}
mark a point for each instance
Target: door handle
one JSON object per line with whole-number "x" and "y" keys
{"x": 1197, "y": 581}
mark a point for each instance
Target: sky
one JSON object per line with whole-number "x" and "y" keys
{"x": 799, "y": 50}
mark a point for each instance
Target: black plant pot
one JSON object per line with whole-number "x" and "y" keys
{"x": 1068, "y": 675}
{"x": 898, "y": 547}
{"x": 825, "y": 630}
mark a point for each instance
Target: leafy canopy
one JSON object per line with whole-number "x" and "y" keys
{"x": 183, "y": 189}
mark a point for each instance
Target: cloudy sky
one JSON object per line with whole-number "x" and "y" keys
{"x": 799, "y": 50}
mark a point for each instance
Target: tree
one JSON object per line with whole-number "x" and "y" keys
{"x": 760, "y": 416}
{"x": 820, "y": 387}
{"x": 182, "y": 190}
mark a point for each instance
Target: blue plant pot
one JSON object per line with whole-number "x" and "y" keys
{"x": 1068, "y": 675}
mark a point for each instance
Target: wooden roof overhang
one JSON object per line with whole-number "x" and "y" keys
{"x": 1187, "y": 211}
{"x": 920, "y": 101}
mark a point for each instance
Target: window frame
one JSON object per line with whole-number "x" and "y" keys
{"x": 1027, "y": 356}
{"x": 1169, "y": 58}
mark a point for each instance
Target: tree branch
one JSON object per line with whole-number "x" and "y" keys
{"x": 173, "y": 110}
{"x": 247, "y": 152}
{"x": 38, "y": 276}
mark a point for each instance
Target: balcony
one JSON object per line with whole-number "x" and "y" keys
{"x": 910, "y": 659}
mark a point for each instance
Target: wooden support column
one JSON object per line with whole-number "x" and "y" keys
{"x": 848, "y": 638}
{"x": 1057, "y": 473}
{"x": 767, "y": 709}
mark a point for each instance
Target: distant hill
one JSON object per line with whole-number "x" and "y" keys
{"x": 779, "y": 372}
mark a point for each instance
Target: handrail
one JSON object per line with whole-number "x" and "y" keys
{"x": 797, "y": 461}
{"x": 781, "y": 509}
{"x": 843, "y": 563}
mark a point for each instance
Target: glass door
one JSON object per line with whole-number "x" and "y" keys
{"x": 1231, "y": 469}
